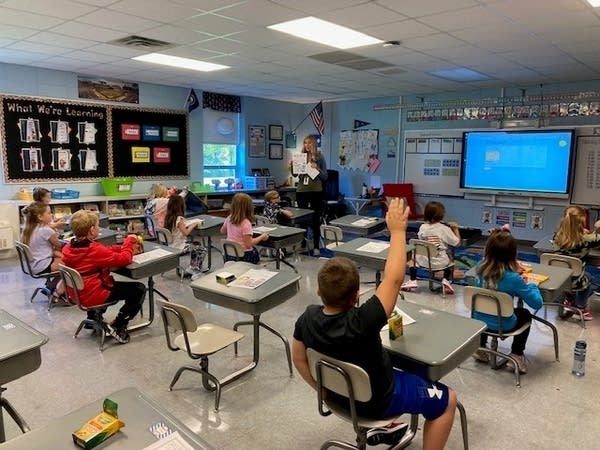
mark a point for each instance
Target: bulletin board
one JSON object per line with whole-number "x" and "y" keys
{"x": 149, "y": 142}
{"x": 61, "y": 140}
{"x": 53, "y": 140}
{"x": 359, "y": 149}
{"x": 432, "y": 161}
{"x": 586, "y": 183}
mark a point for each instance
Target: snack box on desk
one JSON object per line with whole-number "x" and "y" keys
{"x": 63, "y": 193}
{"x": 258, "y": 183}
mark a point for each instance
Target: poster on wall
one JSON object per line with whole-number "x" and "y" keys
{"x": 46, "y": 139}
{"x": 108, "y": 90}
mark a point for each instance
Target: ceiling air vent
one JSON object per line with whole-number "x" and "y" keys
{"x": 141, "y": 42}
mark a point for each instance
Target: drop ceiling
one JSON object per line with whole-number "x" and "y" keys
{"x": 512, "y": 42}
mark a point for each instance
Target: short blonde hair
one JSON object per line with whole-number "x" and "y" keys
{"x": 82, "y": 222}
{"x": 269, "y": 196}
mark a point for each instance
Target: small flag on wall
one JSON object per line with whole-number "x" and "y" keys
{"x": 317, "y": 117}
{"x": 360, "y": 123}
{"x": 192, "y": 101}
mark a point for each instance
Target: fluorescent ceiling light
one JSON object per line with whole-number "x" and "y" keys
{"x": 460, "y": 74}
{"x": 176, "y": 61}
{"x": 324, "y": 32}
{"x": 594, "y": 3}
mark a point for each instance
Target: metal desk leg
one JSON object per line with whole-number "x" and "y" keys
{"x": 280, "y": 259}
{"x": 5, "y": 404}
{"x": 410, "y": 434}
{"x": 463, "y": 424}
{"x": 151, "y": 290}
{"x": 256, "y": 324}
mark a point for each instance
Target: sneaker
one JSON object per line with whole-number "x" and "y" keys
{"x": 119, "y": 334}
{"x": 521, "y": 363}
{"x": 389, "y": 435}
{"x": 409, "y": 285}
{"x": 447, "y": 287}
{"x": 587, "y": 315}
{"x": 481, "y": 356}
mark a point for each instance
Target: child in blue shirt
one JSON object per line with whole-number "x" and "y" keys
{"x": 500, "y": 271}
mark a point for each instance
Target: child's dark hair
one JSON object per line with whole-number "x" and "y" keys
{"x": 39, "y": 193}
{"x": 500, "y": 255}
{"x": 339, "y": 282}
{"x": 175, "y": 208}
{"x": 434, "y": 212}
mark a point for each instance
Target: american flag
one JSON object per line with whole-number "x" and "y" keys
{"x": 317, "y": 117}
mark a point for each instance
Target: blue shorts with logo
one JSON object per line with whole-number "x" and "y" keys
{"x": 415, "y": 395}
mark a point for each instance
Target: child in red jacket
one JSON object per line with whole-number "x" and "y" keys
{"x": 94, "y": 262}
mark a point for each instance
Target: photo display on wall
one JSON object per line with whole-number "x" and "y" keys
{"x": 51, "y": 139}
{"x": 149, "y": 142}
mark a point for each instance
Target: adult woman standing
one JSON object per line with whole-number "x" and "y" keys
{"x": 310, "y": 192}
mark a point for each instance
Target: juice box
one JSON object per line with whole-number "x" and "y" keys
{"x": 395, "y": 327}
{"x": 100, "y": 428}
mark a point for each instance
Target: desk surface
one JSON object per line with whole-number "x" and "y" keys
{"x": 19, "y": 348}
{"x": 435, "y": 344}
{"x": 152, "y": 267}
{"x": 348, "y": 224}
{"x": 559, "y": 279}
{"x": 273, "y": 292}
{"x": 135, "y": 409}
{"x": 211, "y": 224}
{"x": 369, "y": 259}
{"x": 106, "y": 236}
{"x": 300, "y": 215}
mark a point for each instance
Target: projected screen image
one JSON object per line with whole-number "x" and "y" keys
{"x": 524, "y": 161}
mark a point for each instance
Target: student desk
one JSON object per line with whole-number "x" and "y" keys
{"x": 434, "y": 346}
{"x": 268, "y": 295}
{"x": 20, "y": 354}
{"x": 559, "y": 280}
{"x": 368, "y": 259}
{"x": 348, "y": 224}
{"x": 147, "y": 269}
{"x": 135, "y": 409}
{"x": 544, "y": 245}
{"x": 210, "y": 227}
{"x": 301, "y": 217}
{"x": 281, "y": 236}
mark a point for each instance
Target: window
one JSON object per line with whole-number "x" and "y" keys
{"x": 220, "y": 162}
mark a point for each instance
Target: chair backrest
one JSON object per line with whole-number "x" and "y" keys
{"x": 261, "y": 220}
{"x": 340, "y": 377}
{"x": 331, "y": 233}
{"x": 488, "y": 301}
{"x": 178, "y": 317}
{"x": 392, "y": 190}
{"x": 570, "y": 262}
{"x": 332, "y": 185}
{"x": 25, "y": 258}
{"x": 163, "y": 236}
{"x": 73, "y": 282}
{"x": 232, "y": 249}
{"x": 424, "y": 248}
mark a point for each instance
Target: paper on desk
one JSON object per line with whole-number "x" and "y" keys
{"x": 373, "y": 247}
{"x": 363, "y": 222}
{"x": 151, "y": 255}
{"x": 195, "y": 221}
{"x": 264, "y": 229}
{"x": 312, "y": 172}
{"x": 173, "y": 441}
{"x": 253, "y": 278}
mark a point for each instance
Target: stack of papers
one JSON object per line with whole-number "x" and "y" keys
{"x": 264, "y": 229}
{"x": 364, "y": 222}
{"x": 373, "y": 247}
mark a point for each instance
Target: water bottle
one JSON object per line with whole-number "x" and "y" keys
{"x": 579, "y": 359}
{"x": 364, "y": 191}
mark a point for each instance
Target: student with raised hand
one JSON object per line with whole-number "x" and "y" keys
{"x": 341, "y": 329}
{"x": 573, "y": 239}
{"x": 500, "y": 271}
{"x": 238, "y": 227}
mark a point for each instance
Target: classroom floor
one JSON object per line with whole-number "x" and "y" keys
{"x": 268, "y": 409}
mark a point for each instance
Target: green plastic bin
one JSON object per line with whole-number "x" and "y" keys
{"x": 117, "y": 186}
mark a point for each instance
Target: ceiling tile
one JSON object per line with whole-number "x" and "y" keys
{"x": 35, "y": 47}
{"x": 64, "y": 9}
{"x": 419, "y": 8}
{"x": 156, "y": 10}
{"x": 212, "y": 24}
{"x": 463, "y": 18}
{"x": 37, "y": 21}
{"x": 361, "y": 16}
{"x": 60, "y": 40}
{"x": 400, "y": 31}
{"x": 16, "y": 33}
{"x": 92, "y": 32}
{"x": 118, "y": 21}
{"x": 175, "y": 35}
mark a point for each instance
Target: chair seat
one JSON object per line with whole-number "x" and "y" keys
{"x": 344, "y": 413}
{"x": 506, "y": 334}
{"x": 333, "y": 245}
{"x": 208, "y": 339}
